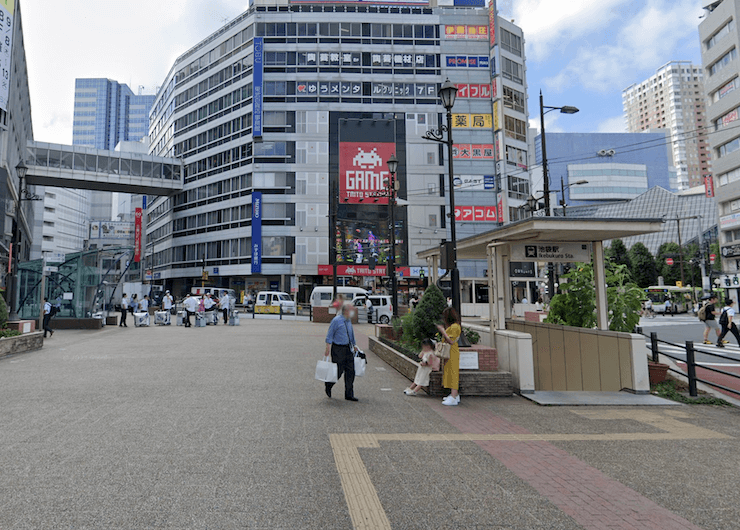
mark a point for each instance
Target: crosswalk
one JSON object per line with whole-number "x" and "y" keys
{"x": 731, "y": 352}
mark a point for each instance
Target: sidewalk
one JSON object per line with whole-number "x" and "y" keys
{"x": 225, "y": 427}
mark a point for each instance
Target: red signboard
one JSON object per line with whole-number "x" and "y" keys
{"x": 137, "y": 235}
{"x": 363, "y": 171}
{"x": 473, "y": 151}
{"x": 709, "y": 186}
{"x": 480, "y": 214}
{"x": 352, "y": 270}
{"x": 473, "y": 91}
{"x": 712, "y": 258}
{"x": 669, "y": 261}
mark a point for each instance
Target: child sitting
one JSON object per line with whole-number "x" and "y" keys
{"x": 429, "y": 362}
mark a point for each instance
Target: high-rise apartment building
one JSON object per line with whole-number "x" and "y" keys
{"x": 720, "y": 41}
{"x": 673, "y": 99}
{"x": 286, "y": 117}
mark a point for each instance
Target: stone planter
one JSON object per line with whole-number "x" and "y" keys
{"x": 387, "y": 332}
{"x": 658, "y": 372}
{"x": 21, "y": 343}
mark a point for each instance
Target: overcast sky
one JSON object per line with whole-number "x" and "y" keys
{"x": 580, "y": 52}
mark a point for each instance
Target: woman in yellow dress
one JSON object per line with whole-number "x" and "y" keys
{"x": 451, "y": 374}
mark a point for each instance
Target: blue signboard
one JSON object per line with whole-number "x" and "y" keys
{"x": 256, "y": 232}
{"x": 489, "y": 182}
{"x": 258, "y": 88}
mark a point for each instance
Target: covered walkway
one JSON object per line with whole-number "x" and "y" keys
{"x": 82, "y": 167}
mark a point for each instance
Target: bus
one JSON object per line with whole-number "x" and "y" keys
{"x": 682, "y": 298}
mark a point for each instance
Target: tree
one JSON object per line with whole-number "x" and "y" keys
{"x": 642, "y": 266}
{"x": 670, "y": 273}
{"x": 624, "y": 299}
{"x": 576, "y": 306}
{"x": 714, "y": 249}
{"x": 426, "y": 316}
{"x": 617, "y": 253}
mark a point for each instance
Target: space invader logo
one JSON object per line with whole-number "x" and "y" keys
{"x": 363, "y": 171}
{"x": 367, "y": 160}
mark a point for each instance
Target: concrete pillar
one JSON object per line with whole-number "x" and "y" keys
{"x": 602, "y": 310}
{"x": 502, "y": 285}
{"x": 492, "y": 314}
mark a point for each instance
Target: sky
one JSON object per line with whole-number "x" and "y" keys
{"x": 579, "y": 52}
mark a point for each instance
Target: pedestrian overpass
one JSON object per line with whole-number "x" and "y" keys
{"x": 79, "y": 167}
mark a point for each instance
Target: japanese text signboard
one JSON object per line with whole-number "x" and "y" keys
{"x": 137, "y": 234}
{"x": 7, "y": 12}
{"x": 569, "y": 252}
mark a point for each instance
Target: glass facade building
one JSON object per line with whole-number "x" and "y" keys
{"x": 276, "y": 117}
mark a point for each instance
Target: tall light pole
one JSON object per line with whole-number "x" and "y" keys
{"x": 546, "y": 176}
{"x": 563, "y": 188}
{"x": 392, "y": 188}
{"x": 12, "y": 283}
{"x": 448, "y": 93}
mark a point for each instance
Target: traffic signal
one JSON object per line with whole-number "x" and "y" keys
{"x": 735, "y": 281}
{"x": 727, "y": 282}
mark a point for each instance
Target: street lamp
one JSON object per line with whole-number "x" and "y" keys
{"x": 563, "y": 188}
{"x": 567, "y": 109}
{"x": 448, "y": 93}
{"x": 21, "y": 169}
{"x": 392, "y": 188}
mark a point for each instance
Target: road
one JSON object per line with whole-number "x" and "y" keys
{"x": 681, "y": 328}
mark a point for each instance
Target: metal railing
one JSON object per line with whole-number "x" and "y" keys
{"x": 691, "y": 363}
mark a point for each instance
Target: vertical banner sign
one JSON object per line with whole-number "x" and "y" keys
{"x": 500, "y": 207}
{"x": 256, "y": 232}
{"x": 258, "y": 87}
{"x": 363, "y": 171}
{"x": 7, "y": 11}
{"x": 137, "y": 234}
{"x": 709, "y": 186}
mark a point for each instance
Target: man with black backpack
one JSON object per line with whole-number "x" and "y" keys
{"x": 708, "y": 315}
{"x": 49, "y": 311}
{"x": 725, "y": 320}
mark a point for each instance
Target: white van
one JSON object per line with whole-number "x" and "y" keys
{"x": 273, "y": 302}
{"x": 322, "y": 296}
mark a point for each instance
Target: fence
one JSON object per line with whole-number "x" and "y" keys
{"x": 691, "y": 363}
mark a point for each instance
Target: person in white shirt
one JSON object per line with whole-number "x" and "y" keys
{"x": 208, "y": 305}
{"x": 225, "y": 304}
{"x": 124, "y": 310}
{"x": 727, "y": 323}
{"x": 167, "y": 301}
{"x": 144, "y": 304}
{"x": 47, "y": 318}
{"x": 191, "y": 307}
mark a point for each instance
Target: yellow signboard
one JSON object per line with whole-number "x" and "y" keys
{"x": 496, "y": 122}
{"x": 264, "y": 309}
{"x": 472, "y": 121}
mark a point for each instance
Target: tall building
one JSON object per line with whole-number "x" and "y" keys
{"x": 15, "y": 130}
{"x": 594, "y": 168}
{"x": 286, "y": 117}
{"x": 673, "y": 99}
{"x": 105, "y": 113}
{"x": 720, "y": 41}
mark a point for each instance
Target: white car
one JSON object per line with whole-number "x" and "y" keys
{"x": 274, "y": 299}
{"x": 382, "y": 307}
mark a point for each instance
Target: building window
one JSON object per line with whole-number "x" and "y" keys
{"x": 714, "y": 39}
{"x": 722, "y": 62}
{"x": 512, "y": 70}
{"x": 725, "y": 89}
{"x": 730, "y": 176}
{"x": 516, "y": 129}
{"x": 513, "y": 99}
{"x": 511, "y": 43}
{"x": 433, "y": 220}
{"x": 729, "y": 147}
{"x": 518, "y": 188}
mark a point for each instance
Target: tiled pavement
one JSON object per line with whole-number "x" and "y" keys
{"x": 226, "y": 428}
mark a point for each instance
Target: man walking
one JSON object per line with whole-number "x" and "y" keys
{"x": 710, "y": 318}
{"x": 339, "y": 341}
{"x": 725, "y": 320}
{"x": 167, "y": 306}
{"x": 47, "y": 318}
{"x": 191, "y": 307}
{"x": 225, "y": 304}
{"x": 124, "y": 311}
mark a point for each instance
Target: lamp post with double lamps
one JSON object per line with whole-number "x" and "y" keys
{"x": 448, "y": 93}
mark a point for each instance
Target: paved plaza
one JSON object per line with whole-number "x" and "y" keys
{"x": 225, "y": 427}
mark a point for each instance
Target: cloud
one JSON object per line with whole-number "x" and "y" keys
{"x": 549, "y": 26}
{"x": 552, "y": 120}
{"x": 612, "y": 125}
{"x": 661, "y": 26}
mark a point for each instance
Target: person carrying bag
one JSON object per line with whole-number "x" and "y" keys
{"x": 340, "y": 339}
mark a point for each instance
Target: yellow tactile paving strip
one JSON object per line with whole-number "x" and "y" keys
{"x": 362, "y": 499}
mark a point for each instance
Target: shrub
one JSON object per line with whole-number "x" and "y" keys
{"x": 9, "y": 333}
{"x": 427, "y": 314}
{"x": 3, "y": 312}
{"x": 472, "y": 335}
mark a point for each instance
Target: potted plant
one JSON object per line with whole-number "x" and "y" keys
{"x": 658, "y": 372}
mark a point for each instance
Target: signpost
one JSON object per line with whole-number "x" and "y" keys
{"x": 669, "y": 261}
{"x": 552, "y": 252}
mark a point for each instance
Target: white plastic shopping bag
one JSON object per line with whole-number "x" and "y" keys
{"x": 360, "y": 363}
{"x": 326, "y": 370}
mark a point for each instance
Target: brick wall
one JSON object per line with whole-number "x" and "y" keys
{"x": 487, "y": 357}
{"x": 321, "y": 315}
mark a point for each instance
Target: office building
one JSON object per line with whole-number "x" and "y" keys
{"x": 720, "y": 41}
{"x": 673, "y": 99}
{"x": 15, "y": 130}
{"x": 605, "y": 167}
{"x": 286, "y": 117}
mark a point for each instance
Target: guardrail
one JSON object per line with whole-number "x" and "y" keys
{"x": 690, "y": 362}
